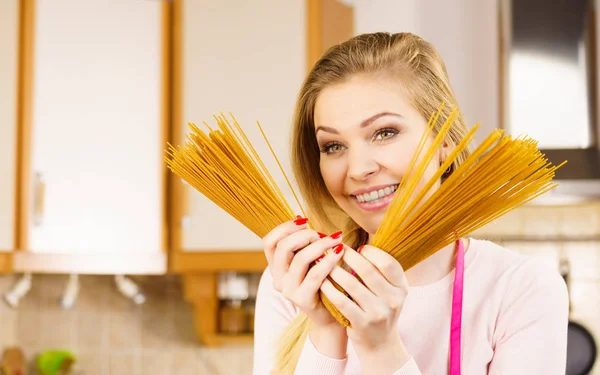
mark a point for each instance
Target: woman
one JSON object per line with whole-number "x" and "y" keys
{"x": 360, "y": 115}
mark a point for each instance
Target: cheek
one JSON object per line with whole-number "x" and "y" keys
{"x": 395, "y": 159}
{"x": 333, "y": 173}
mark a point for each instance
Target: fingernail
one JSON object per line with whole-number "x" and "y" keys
{"x": 337, "y": 235}
{"x": 319, "y": 258}
{"x": 301, "y": 221}
{"x": 359, "y": 249}
{"x": 338, "y": 248}
{"x": 322, "y": 235}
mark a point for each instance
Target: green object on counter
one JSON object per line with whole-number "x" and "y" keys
{"x": 53, "y": 361}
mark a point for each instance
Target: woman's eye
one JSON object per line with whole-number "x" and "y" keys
{"x": 385, "y": 134}
{"x": 331, "y": 148}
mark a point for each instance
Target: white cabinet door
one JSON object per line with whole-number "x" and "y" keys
{"x": 97, "y": 136}
{"x": 9, "y": 24}
{"x": 248, "y": 58}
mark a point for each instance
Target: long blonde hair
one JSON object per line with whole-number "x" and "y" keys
{"x": 420, "y": 72}
{"x": 405, "y": 56}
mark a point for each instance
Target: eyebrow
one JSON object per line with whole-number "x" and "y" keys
{"x": 363, "y": 124}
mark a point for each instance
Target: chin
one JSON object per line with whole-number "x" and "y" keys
{"x": 369, "y": 224}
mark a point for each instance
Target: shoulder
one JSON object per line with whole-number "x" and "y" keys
{"x": 503, "y": 265}
{"x": 522, "y": 290}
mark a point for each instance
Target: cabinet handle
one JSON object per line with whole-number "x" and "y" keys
{"x": 38, "y": 199}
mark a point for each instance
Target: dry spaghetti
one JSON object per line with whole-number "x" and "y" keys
{"x": 500, "y": 175}
{"x": 224, "y": 166}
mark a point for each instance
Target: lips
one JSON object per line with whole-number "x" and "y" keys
{"x": 376, "y": 194}
{"x": 374, "y": 198}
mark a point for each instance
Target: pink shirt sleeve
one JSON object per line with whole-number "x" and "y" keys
{"x": 272, "y": 315}
{"x": 531, "y": 331}
{"x": 409, "y": 368}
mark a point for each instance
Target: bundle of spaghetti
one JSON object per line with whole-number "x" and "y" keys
{"x": 500, "y": 175}
{"x": 225, "y": 167}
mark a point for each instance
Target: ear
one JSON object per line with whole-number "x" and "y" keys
{"x": 445, "y": 150}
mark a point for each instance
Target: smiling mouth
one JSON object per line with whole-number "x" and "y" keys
{"x": 376, "y": 196}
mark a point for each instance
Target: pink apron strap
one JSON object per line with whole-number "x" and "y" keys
{"x": 457, "y": 304}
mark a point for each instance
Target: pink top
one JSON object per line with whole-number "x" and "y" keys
{"x": 514, "y": 321}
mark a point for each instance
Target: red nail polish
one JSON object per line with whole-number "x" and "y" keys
{"x": 322, "y": 235}
{"x": 359, "y": 249}
{"x": 320, "y": 258}
{"x": 336, "y": 235}
{"x": 301, "y": 221}
{"x": 338, "y": 248}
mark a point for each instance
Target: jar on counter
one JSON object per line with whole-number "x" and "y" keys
{"x": 233, "y": 292}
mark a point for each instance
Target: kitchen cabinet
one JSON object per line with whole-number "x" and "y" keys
{"x": 95, "y": 104}
{"x": 250, "y": 60}
{"x": 9, "y": 52}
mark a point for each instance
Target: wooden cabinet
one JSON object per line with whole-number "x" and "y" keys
{"x": 9, "y": 51}
{"x": 94, "y": 132}
{"x": 251, "y": 60}
{"x": 247, "y": 58}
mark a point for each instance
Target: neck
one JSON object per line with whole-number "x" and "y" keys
{"x": 432, "y": 269}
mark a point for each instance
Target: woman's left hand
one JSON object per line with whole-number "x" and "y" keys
{"x": 377, "y": 303}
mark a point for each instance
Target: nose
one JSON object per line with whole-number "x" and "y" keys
{"x": 361, "y": 164}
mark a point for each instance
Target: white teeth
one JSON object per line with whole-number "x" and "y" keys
{"x": 376, "y": 194}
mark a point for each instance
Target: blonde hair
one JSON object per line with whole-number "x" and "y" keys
{"x": 403, "y": 55}
{"x": 422, "y": 74}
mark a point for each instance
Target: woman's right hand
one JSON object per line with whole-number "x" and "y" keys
{"x": 290, "y": 249}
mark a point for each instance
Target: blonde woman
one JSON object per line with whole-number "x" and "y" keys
{"x": 360, "y": 115}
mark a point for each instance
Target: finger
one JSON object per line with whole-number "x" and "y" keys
{"x": 302, "y": 260}
{"x": 314, "y": 278}
{"x": 368, "y": 273}
{"x": 357, "y": 291}
{"x": 278, "y": 233}
{"x": 387, "y": 265}
{"x": 345, "y": 305}
{"x": 287, "y": 247}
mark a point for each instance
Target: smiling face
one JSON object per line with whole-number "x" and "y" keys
{"x": 367, "y": 132}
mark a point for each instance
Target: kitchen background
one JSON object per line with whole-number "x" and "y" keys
{"x": 107, "y": 256}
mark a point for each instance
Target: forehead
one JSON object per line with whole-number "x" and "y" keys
{"x": 360, "y": 97}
